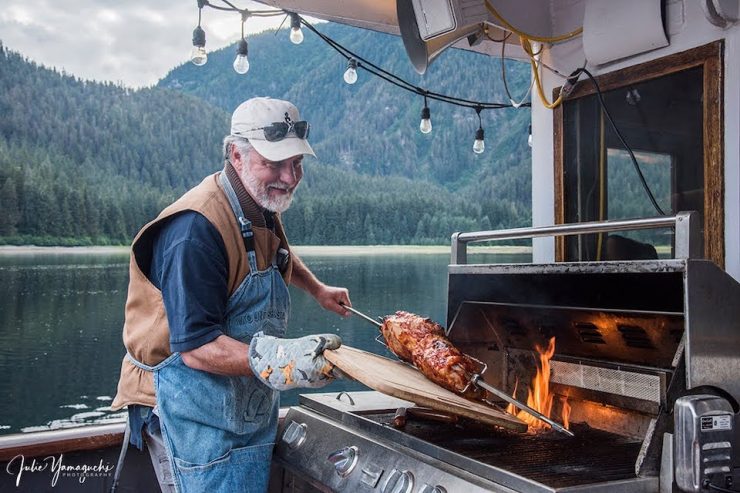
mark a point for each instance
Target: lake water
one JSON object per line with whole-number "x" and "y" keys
{"x": 61, "y": 317}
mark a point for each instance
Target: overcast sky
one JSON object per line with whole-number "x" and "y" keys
{"x": 135, "y": 42}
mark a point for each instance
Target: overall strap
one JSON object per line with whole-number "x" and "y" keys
{"x": 244, "y": 224}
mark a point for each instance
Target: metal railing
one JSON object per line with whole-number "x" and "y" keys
{"x": 685, "y": 225}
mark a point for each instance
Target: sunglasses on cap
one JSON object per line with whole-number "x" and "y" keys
{"x": 277, "y": 131}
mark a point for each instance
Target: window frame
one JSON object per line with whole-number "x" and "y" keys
{"x": 710, "y": 58}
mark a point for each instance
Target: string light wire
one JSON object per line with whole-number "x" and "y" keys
{"x": 608, "y": 115}
{"x": 363, "y": 62}
{"x": 478, "y": 106}
{"x": 396, "y": 80}
{"x": 503, "y": 76}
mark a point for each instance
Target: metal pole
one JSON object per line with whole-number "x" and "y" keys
{"x": 477, "y": 380}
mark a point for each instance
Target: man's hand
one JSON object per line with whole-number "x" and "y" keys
{"x": 332, "y": 298}
{"x": 285, "y": 364}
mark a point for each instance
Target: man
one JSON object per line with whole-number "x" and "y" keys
{"x": 207, "y": 309}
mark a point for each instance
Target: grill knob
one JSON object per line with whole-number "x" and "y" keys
{"x": 344, "y": 460}
{"x": 399, "y": 482}
{"x": 432, "y": 489}
{"x": 295, "y": 434}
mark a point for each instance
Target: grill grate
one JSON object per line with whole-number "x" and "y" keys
{"x": 593, "y": 456}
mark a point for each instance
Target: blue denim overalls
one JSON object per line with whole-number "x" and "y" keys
{"x": 219, "y": 431}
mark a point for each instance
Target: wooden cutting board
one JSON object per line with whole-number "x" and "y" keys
{"x": 401, "y": 380}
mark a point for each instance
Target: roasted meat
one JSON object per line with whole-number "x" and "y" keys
{"x": 404, "y": 330}
{"x": 422, "y": 342}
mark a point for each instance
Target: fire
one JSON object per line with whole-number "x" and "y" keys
{"x": 539, "y": 396}
{"x": 566, "y": 413}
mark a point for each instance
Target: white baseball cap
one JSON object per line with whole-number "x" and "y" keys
{"x": 253, "y": 115}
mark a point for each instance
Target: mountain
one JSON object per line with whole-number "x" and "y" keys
{"x": 89, "y": 163}
{"x": 372, "y": 127}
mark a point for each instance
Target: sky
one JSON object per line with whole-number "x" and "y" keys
{"x": 133, "y": 42}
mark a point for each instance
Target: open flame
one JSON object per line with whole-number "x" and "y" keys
{"x": 539, "y": 396}
{"x": 566, "y": 413}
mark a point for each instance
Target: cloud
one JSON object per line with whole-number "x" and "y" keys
{"x": 133, "y": 42}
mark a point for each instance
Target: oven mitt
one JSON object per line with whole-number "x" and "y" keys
{"x": 284, "y": 364}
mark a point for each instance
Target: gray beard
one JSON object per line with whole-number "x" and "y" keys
{"x": 260, "y": 193}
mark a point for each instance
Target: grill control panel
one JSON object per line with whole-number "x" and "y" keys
{"x": 703, "y": 438}
{"x": 343, "y": 459}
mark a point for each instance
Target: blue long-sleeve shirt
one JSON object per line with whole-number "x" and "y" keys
{"x": 190, "y": 268}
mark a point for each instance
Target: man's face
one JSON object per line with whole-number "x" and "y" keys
{"x": 271, "y": 183}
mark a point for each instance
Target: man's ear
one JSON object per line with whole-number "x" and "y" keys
{"x": 236, "y": 158}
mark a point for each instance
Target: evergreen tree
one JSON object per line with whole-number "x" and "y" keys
{"x": 10, "y": 214}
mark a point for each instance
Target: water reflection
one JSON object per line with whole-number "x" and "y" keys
{"x": 61, "y": 317}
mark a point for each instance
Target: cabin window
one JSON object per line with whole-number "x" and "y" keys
{"x": 669, "y": 112}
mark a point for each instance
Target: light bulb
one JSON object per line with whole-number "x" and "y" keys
{"x": 241, "y": 62}
{"x": 479, "y": 146}
{"x": 529, "y": 139}
{"x": 350, "y": 75}
{"x": 296, "y": 35}
{"x": 198, "y": 55}
{"x": 426, "y": 123}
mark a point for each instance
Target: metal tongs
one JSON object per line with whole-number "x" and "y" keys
{"x": 476, "y": 379}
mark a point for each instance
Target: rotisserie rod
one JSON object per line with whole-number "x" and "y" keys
{"x": 360, "y": 314}
{"x": 422, "y": 342}
{"x": 478, "y": 381}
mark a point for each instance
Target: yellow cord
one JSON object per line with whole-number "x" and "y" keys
{"x": 521, "y": 34}
{"x": 527, "y": 46}
{"x": 526, "y": 40}
{"x": 602, "y": 165}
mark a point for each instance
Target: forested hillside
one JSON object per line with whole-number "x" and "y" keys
{"x": 90, "y": 163}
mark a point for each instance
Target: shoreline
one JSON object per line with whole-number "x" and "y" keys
{"x": 348, "y": 250}
{"x": 309, "y": 250}
{"x": 33, "y": 249}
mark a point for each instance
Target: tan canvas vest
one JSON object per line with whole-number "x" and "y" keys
{"x": 146, "y": 333}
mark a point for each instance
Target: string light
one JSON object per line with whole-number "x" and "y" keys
{"x": 350, "y": 75}
{"x": 296, "y": 35}
{"x": 354, "y": 62}
{"x": 479, "y": 145}
{"x": 241, "y": 62}
{"x": 426, "y": 119}
{"x": 529, "y": 138}
{"x": 198, "y": 54}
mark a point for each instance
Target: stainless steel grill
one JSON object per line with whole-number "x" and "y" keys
{"x": 554, "y": 460}
{"x": 634, "y": 340}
